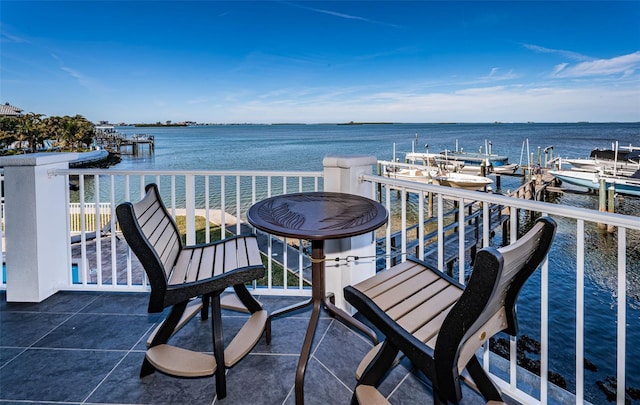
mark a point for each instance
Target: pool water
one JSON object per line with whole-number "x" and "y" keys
{"x": 75, "y": 278}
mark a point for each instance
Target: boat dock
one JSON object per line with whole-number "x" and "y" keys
{"x": 118, "y": 143}
{"x": 473, "y": 231}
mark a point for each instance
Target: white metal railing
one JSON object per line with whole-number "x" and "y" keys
{"x": 517, "y": 210}
{"x": 220, "y": 198}
{"x": 89, "y": 210}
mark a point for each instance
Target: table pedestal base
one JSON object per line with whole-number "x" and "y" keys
{"x": 318, "y": 300}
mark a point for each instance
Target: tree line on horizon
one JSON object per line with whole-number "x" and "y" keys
{"x": 27, "y": 133}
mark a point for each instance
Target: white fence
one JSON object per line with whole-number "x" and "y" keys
{"x": 102, "y": 259}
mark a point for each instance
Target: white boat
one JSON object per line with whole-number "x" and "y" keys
{"x": 623, "y": 168}
{"x": 618, "y": 161}
{"x": 421, "y": 175}
{"x": 509, "y": 168}
{"x": 629, "y": 185}
{"x": 462, "y": 180}
{"x": 465, "y": 162}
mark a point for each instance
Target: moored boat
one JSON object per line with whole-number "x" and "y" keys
{"x": 629, "y": 185}
{"x": 486, "y": 157}
{"x": 427, "y": 174}
{"x": 462, "y": 180}
{"x": 618, "y": 161}
{"x": 422, "y": 175}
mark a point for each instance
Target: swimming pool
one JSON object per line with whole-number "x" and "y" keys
{"x": 75, "y": 277}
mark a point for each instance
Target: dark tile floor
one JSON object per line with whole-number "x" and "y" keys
{"x": 87, "y": 348}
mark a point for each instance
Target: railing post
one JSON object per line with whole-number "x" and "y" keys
{"x": 341, "y": 174}
{"x": 37, "y": 236}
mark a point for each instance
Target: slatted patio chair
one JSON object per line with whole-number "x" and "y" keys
{"x": 439, "y": 324}
{"x": 179, "y": 274}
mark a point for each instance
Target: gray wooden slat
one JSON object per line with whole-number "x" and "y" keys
{"x": 391, "y": 282}
{"x": 422, "y": 314}
{"x": 254, "y": 252}
{"x": 405, "y": 289}
{"x": 180, "y": 270}
{"x": 383, "y": 276}
{"x": 230, "y": 259}
{"x": 425, "y": 294}
{"x": 206, "y": 262}
{"x": 192, "y": 271}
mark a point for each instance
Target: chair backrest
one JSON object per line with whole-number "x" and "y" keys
{"x": 154, "y": 238}
{"x": 488, "y": 304}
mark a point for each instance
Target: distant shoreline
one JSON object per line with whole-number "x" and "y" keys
{"x": 159, "y": 125}
{"x": 200, "y": 124}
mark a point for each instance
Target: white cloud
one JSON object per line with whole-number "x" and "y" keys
{"x": 564, "y": 53}
{"x": 496, "y": 75}
{"x": 620, "y": 65}
{"x": 559, "y": 68}
{"x": 478, "y": 104}
{"x": 345, "y": 16}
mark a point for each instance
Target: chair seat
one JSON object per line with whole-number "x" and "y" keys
{"x": 369, "y": 395}
{"x": 187, "y": 363}
{"x": 180, "y": 362}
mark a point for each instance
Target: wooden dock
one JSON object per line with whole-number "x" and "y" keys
{"x": 118, "y": 143}
{"x": 473, "y": 231}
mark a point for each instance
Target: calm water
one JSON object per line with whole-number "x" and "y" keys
{"x": 302, "y": 147}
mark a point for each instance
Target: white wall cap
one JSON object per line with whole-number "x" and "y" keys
{"x": 347, "y": 161}
{"x": 38, "y": 159}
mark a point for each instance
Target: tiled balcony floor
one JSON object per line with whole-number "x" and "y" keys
{"x": 87, "y": 348}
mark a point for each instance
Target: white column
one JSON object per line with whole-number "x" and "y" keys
{"x": 341, "y": 174}
{"x": 36, "y": 225}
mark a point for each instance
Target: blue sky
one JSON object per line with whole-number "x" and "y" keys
{"x": 318, "y": 62}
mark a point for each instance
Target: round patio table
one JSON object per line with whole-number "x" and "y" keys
{"x": 316, "y": 216}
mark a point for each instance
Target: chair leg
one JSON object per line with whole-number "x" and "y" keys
{"x": 218, "y": 346}
{"x": 204, "y": 312}
{"x": 163, "y": 334}
{"x": 380, "y": 365}
{"x": 437, "y": 399}
{"x": 486, "y": 386}
{"x": 246, "y": 298}
{"x": 377, "y": 368}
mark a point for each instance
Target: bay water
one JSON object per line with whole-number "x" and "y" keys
{"x": 303, "y": 147}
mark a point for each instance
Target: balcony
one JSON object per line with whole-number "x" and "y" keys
{"x": 101, "y": 284}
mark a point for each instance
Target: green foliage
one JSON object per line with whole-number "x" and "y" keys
{"x": 67, "y": 133}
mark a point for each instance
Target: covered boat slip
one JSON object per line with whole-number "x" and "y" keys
{"x": 433, "y": 175}
{"x": 461, "y": 160}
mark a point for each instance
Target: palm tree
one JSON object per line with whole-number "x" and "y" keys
{"x": 31, "y": 129}
{"x": 54, "y": 128}
{"x": 78, "y": 131}
{"x": 8, "y": 131}
{"x": 86, "y": 131}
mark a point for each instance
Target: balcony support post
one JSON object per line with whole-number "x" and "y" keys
{"x": 37, "y": 225}
{"x": 341, "y": 174}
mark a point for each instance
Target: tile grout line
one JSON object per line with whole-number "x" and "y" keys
{"x": 131, "y": 350}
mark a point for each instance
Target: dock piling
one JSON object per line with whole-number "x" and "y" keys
{"x": 602, "y": 202}
{"x": 611, "y": 206}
